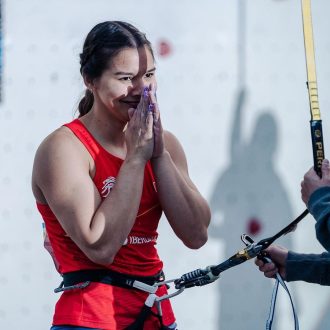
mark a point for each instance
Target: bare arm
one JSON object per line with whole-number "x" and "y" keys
{"x": 61, "y": 174}
{"x": 186, "y": 210}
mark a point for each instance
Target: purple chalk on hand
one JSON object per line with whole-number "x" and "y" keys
{"x": 150, "y": 107}
{"x": 146, "y": 91}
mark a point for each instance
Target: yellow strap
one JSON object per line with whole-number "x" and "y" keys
{"x": 310, "y": 60}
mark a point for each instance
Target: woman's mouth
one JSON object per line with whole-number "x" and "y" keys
{"x": 131, "y": 104}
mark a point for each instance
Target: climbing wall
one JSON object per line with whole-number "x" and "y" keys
{"x": 247, "y": 146}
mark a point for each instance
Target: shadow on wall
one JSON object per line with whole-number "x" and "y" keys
{"x": 248, "y": 197}
{"x": 324, "y": 319}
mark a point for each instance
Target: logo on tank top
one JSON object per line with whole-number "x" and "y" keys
{"x": 107, "y": 186}
{"x": 140, "y": 240}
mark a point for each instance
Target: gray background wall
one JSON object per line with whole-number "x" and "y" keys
{"x": 197, "y": 92}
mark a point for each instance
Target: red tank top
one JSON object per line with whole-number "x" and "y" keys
{"x": 100, "y": 305}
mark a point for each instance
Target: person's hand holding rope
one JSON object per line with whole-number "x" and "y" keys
{"x": 278, "y": 255}
{"x": 312, "y": 181}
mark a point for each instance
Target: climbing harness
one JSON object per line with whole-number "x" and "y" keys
{"x": 83, "y": 278}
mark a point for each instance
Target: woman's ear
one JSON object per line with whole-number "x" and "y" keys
{"x": 88, "y": 83}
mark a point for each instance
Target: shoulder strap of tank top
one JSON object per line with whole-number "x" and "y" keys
{"x": 86, "y": 138}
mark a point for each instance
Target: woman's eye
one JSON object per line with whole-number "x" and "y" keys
{"x": 125, "y": 78}
{"x": 149, "y": 75}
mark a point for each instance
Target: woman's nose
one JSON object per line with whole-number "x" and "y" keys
{"x": 138, "y": 87}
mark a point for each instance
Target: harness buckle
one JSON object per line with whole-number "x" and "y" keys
{"x": 144, "y": 287}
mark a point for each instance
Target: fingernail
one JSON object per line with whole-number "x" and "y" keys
{"x": 150, "y": 107}
{"x": 146, "y": 91}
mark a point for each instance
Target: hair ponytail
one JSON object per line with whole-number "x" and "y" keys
{"x": 86, "y": 103}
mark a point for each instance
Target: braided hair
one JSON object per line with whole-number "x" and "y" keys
{"x": 102, "y": 44}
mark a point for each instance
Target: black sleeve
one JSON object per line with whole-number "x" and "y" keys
{"x": 312, "y": 268}
{"x": 319, "y": 207}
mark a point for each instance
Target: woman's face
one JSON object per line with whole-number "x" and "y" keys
{"x": 120, "y": 86}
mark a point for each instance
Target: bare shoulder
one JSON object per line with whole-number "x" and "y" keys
{"x": 60, "y": 139}
{"x": 60, "y": 145}
{"x": 59, "y": 151}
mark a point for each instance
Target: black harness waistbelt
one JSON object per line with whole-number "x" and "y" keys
{"x": 82, "y": 278}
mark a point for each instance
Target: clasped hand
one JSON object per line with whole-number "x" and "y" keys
{"x": 144, "y": 132}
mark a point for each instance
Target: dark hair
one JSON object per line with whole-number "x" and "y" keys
{"x": 102, "y": 43}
